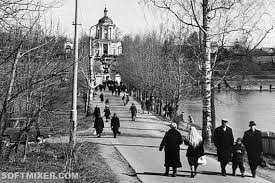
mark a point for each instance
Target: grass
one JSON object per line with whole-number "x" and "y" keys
{"x": 59, "y": 117}
{"x": 92, "y": 166}
{"x": 47, "y": 157}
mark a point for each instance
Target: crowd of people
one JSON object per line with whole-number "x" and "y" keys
{"x": 227, "y": 150}
{"x": 113, "y": 86}
{"x": 115, "y": 123}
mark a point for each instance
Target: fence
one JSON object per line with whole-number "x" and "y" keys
{"x": 268, "y": 140}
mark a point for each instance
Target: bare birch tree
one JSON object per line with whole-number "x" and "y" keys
{"x": 213, "y": 19}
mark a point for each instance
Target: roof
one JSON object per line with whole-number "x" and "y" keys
{"x": 105, "y": 19}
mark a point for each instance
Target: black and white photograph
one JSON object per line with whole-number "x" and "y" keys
{"x": 137, "y": 91}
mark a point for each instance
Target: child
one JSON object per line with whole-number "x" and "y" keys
{"x": 237, "y": 159}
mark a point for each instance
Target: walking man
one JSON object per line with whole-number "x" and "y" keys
{"x": 115, "y": 124}
{"x": 124, "y": 99}
{"x": 148, "y": 105}
{"x": 133, "y": 110}
{"x": 101, "y": 97}
{"x": 224, "y": 141}
{"x": 171, "y": 143}
{"x": 252, "y": 141}
{"x": 107, "y": 112}
{"x": 142, "y": 103}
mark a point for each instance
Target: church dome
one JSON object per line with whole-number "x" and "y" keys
{"x": 105, "y": 19}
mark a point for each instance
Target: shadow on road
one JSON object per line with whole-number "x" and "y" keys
{"x": 161, "y": 174}
{"x": 130, "y": 145}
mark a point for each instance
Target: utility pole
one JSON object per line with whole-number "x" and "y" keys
{"x": 73, "y": 115}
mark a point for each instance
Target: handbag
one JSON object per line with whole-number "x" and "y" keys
{"x": 202, "y": 160}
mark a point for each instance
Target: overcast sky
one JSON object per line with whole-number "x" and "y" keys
{"x": 130, "y": 16}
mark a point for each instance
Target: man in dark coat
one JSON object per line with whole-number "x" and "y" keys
{"x": 133, "y": 110}
{"x": 97, "y": 111}
{"x": 115, "y": 124}
{"x": 148, "y": 105}
{"x": 99, "y": 125}
{"x": 252, "y": 141}
{"x": 224, "y": 141}
{"x": 171, "y": 143}
{"x": 101, "y": 97}
{"x": 107, "y": 112}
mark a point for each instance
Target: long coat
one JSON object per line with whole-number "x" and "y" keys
{"x": 171, "y": 143}
{"x": 97, "y": 112}
{"x": 148, "y": 105}
{"x": 193, "y": 153}
{"x": 253, "y": 145}
{"x": 224, "y": 142}
{"x": 133, "y": 110}
{"x": 101, "y": 97}
{"x": 107, "y": 112}
{"x": 115, "y": 124}
{"x": 99, "y": 124}
{"x": 238, "y": 153}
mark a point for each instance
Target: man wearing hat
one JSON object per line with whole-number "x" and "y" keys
{"x": 224, "y": 141}
{"x": 252, "y": 141}
{"x": 171, "y": 143}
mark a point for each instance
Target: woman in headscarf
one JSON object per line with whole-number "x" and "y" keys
{"x": 171, "y": 143}
{"x": 195, "y": 149}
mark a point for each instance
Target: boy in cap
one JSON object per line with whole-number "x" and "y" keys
{"x": 238, "y": 157}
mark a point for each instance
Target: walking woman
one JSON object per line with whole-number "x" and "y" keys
{"x": 195, "y": 149}
{"x": 115, "y": 124}
{"x": 97, "y": 111}
{"x": 171, "y": 143}
{"x": 99, "y": 125}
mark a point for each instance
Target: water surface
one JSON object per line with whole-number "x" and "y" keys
{"x": 239, "y": 109}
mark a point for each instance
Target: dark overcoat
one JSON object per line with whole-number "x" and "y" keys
{"x": 171, "y": 143}
{"x": 238, "y": 153}
{"x": 253, "y": 145}
{"x": 107, "y": 112}
{"x": 97, "y": 112}
{"x": 101, "y": 97}
{"x": 133, "y": 110}
{"x": 99, "y": 124}
{"x": 193, "y": 153}
{"x": 148, "y": 104}
{"x": 115, "y": 124}
{"x": 224, "y": 142}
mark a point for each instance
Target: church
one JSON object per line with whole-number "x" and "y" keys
{"x": 106, "y": 37}
{"x": 106, "y": 47}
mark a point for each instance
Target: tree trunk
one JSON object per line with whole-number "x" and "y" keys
{"x": 3, "y": 113}
{"x": 26, "y": 148}
{"x": 213, "y": 110}
{"x": 91, "y": 79}
{"x": 206, "y": 111}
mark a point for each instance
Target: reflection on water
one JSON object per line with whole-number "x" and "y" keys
{"x": 239, "y": 109}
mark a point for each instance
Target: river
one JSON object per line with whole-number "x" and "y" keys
{"x": 239, "y": 109}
